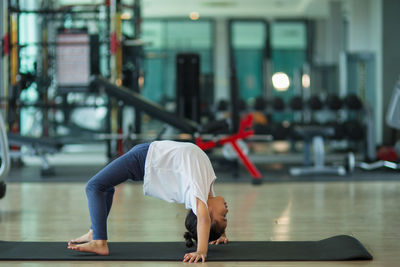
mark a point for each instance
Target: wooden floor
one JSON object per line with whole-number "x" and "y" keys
{"x": 369, "y": 211}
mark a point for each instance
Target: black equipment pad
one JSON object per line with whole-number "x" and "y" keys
{"x": 336, "y": 248}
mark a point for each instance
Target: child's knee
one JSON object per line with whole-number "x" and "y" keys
{"x": 93, "y": 186}
{"x": 110, "y": 190}
{"x": 90, "y": 187}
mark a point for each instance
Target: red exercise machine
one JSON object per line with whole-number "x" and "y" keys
{"x": 245, "y": 131}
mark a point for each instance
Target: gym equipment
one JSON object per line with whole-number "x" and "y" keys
{"x": 99, "y": 83}
{"x": 393, "y": 112}
{"x": 337, "y": 248}
{"x": 245, "y": 131}
{"x": 387, "y": 153}
{"x": 25, "y": 80}
{"x": 186, "y": 126}
{"x": 334, "y": 102}
{"x": 358, "y": 76}
{"x": 4, "y": 157}
{"x": 278, "y": 103}
{"x": 188, "y": 86}
{"x": 234, "y": 95}
{"x": 315, "y": 103}
{"x": 354, "y": 130}
{"x": 222, "y": 105}
{"x": 340, "y": 131}
{"x": 46, "y": 59}
{"x": 378, "y": 164}
{"x": 215, "y": 127}
{"x": 350, "y": 162}
{"x": 38, "y": 147}
{"x": 296, "y": 103}
{"x": 314, "y": 135}
{"x": 280, "y": 131}
{"x": 229, "y": 152}
{"x": 393, "y": 120}
{"x": 353, "y": 102}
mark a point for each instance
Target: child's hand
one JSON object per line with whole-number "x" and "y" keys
{"x": 221, "y": 240}
{"x": 194, "y": 257}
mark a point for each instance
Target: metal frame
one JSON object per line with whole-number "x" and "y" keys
{"x": 393, "y": 112}
{"x": 245, "y": 130}
{"x": 1, "y": 45}
{"x": 4, "y": 150}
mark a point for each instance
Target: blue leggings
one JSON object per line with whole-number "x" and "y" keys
{"x": 100, "y": 188}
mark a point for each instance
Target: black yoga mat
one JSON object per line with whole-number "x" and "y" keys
{"x": 331, "y": 249}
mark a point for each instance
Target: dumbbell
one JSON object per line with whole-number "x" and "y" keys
{"x": 353, "y": 102}
{"x": 296, "y": 103}
{"x": 222, "y": 105}
{"x": 260, "y": 104}
{"x": 350, "y": 163}
{"x": 278, "y": 104}
{"x": 315, "y": 103}
{"x": 334, "y": 102}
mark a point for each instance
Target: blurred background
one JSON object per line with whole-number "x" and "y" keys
{"x": 330, "y": 64}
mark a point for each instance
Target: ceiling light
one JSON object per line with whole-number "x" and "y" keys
{"x": 194, "y": 15}
{"x": 305, "y": 81}
{"x": 126, "y": 16}
{"x": 280, "y": 81}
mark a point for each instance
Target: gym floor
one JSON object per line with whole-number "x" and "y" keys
{"x": 279, "y": 209}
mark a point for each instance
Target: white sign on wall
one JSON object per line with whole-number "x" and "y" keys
{"x": 73, "y": 59}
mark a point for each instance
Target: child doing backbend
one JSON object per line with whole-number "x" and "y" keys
{"x": 172, "y": 171}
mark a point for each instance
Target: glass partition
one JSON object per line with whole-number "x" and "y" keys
{"x": 166, "y": 39}
{"x": 288, "y": 53}
{"x": 248, "y": 43}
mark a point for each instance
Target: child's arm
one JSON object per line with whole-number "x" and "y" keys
{"x": 203, "y": 232}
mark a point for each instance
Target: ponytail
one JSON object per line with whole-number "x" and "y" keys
{"x": 189, "y": 239}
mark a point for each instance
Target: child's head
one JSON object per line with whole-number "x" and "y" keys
{"x": 218, "y": 209}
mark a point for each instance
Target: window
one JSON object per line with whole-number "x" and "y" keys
{"x": 167, "y": 38}
{"x": 248, "y": 42}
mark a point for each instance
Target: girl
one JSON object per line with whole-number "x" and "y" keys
{"x": 172, "y": 171}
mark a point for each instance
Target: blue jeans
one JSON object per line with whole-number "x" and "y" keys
{"x": 100, "y": 188}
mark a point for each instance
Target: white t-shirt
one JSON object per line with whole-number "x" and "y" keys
{"x": 178, "y": 172}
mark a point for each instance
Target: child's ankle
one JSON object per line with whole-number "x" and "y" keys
{"x": 100, "y": 242}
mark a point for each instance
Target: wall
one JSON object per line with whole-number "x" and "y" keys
{"x": 4, "y": 72}
{"x": 221, "y": 61}
{"x": 329, "y": 36}
{"x": 390, "y": 55}
{"x": 374, "y": 27}
{"x": 2, "y": 32}
{"x": 365, "y": 35}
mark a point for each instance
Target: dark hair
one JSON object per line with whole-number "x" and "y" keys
{"x": 191, "y": 225}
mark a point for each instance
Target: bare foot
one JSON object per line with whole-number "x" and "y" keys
{"x": 83, "y": 239}
{"x": 96, "y": 246}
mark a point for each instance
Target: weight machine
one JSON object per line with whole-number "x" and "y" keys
{"x": 245, "y": 131}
